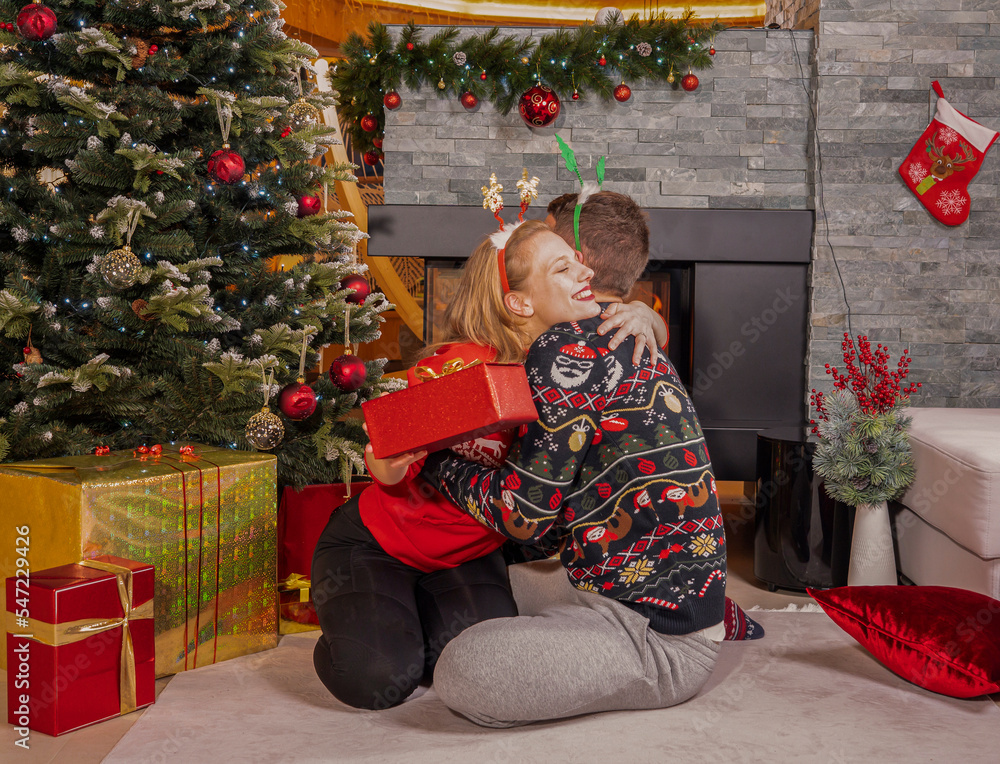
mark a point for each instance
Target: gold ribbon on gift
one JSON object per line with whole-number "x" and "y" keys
{"x": 425, "y": 373}
{"x": 56, "y": 634}
{"x": 296, "y": 581}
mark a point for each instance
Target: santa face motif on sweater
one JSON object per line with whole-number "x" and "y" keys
{"x": 573, "y": 365}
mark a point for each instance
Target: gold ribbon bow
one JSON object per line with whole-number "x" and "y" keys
{"x": 56, "y": 634}
{"x": 299, "y": 582}
{"x": 425, "y": 373}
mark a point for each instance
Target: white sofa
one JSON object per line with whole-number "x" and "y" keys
{"x": 948, "y": 529}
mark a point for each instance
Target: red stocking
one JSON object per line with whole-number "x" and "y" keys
{"x": 944, "y": 161}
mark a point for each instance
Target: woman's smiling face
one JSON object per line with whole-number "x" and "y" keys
{"x": 558, "y": 287}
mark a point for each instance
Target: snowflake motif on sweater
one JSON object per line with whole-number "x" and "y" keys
{"x": 627, "y": 496}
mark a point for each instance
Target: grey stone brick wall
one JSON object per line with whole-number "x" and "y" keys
{"x": 909, "y": 280}
{"x": 739, "y": 141}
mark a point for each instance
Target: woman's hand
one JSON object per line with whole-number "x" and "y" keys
{"x": 392, "y": 470}
{"x": 635, "y": 319}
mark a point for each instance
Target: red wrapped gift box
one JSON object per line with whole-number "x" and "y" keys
{"x": 79, "y": 644}
{"x": 452, "y": 408}
{"x": 302, "y": 516}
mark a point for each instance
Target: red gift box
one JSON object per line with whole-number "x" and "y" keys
{"x": 79, "y": 644}
{"x": 302, "y": 516}
{"x": 450, "y": 408}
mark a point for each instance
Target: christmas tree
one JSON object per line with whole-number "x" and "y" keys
{"x": 154, "y": 156}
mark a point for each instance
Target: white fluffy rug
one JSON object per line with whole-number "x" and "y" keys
{"x": 805, "y": 693}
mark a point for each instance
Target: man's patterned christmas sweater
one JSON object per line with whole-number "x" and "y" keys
{"x": 616, "y": 473}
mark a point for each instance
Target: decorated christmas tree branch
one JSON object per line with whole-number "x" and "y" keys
{"x": 592, "y": 59}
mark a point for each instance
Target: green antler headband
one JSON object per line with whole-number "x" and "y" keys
{"x": 586, "y": 188}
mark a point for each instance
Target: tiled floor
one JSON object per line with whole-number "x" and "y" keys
{"x": 92, "y": 744}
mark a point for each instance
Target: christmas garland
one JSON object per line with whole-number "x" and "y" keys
{"x": 596, "y": 59}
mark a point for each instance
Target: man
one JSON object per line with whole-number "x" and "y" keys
{"x": 612, "y": 219}
{"x": 616, "y": 472}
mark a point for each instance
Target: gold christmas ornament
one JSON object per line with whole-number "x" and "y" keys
{"x": 264, "y": 430}
{"x": 441, "y": 84}
{"x": 373, "y": 60}
{"x": 120, "y": 268}
{"x": 525, "y": 60}
{"x": 302, "y": 114}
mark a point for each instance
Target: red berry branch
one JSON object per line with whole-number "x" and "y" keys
{"x": 868, "y": 377}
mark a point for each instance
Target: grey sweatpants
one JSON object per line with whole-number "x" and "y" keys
{"x": 579, "y": 653}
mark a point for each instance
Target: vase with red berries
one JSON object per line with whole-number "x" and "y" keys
{"x": 864, "y": 454}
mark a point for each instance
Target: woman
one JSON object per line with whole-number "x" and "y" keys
{"x": 400, "y": 571}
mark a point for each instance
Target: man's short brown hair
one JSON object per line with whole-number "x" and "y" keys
{"x": 614, "y": 239}
{"x": 560, "y": 203}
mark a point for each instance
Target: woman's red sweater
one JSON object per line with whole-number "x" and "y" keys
{"x": 412, "y": 520}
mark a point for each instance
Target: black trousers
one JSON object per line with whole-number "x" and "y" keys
{"x": 385, "y": 623}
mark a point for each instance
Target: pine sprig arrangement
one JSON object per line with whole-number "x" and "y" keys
{"x": 864, "y": 454}
{"x": 499, "y": 68}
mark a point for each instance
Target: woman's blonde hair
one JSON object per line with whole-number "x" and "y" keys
{"x": 477, "y": 312}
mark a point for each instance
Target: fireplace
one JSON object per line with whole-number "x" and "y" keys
{"x": 732, "y": 285}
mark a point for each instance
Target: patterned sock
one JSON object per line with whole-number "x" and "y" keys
{"x": 739, "y": 625}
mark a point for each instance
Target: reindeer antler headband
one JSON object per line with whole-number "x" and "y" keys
{"x": 493, "y": 201}
{"x": 586, "y": 189}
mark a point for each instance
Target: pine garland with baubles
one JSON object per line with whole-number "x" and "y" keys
{"x": 591, "y": 59}
{"x": 105, "y": 147}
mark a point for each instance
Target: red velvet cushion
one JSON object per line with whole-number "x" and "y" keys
{"x": 943, "y": 639}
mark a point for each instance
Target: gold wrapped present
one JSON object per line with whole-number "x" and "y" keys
{"x": 203, "y": 517}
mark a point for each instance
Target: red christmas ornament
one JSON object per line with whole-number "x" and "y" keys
{"x": 368, "y": 123}
{"x": 409, "y": 46}
{"x": 309, "y": 205}
{"x": 469, "y": 100}
{"x": 226, "y": 166}
{"x": 347, "y": 373}
{"x": 602, "y": 61}
{"x": 622, "y": 93}
{"x": 539, "y": 106}
{"x": 576, "y": 94}
{"x": 297, "y": 400}
{"x": 377, "y": 142}
{"x": 391, "y": 100}
{"x": 372, "y": 157}
{"x": 711, "y": 51}
{"x": 360, "y": 286}
{"x": 689, "y": 82}
{"x": 36, "y": 22}
{"x": 483, "y": 76}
